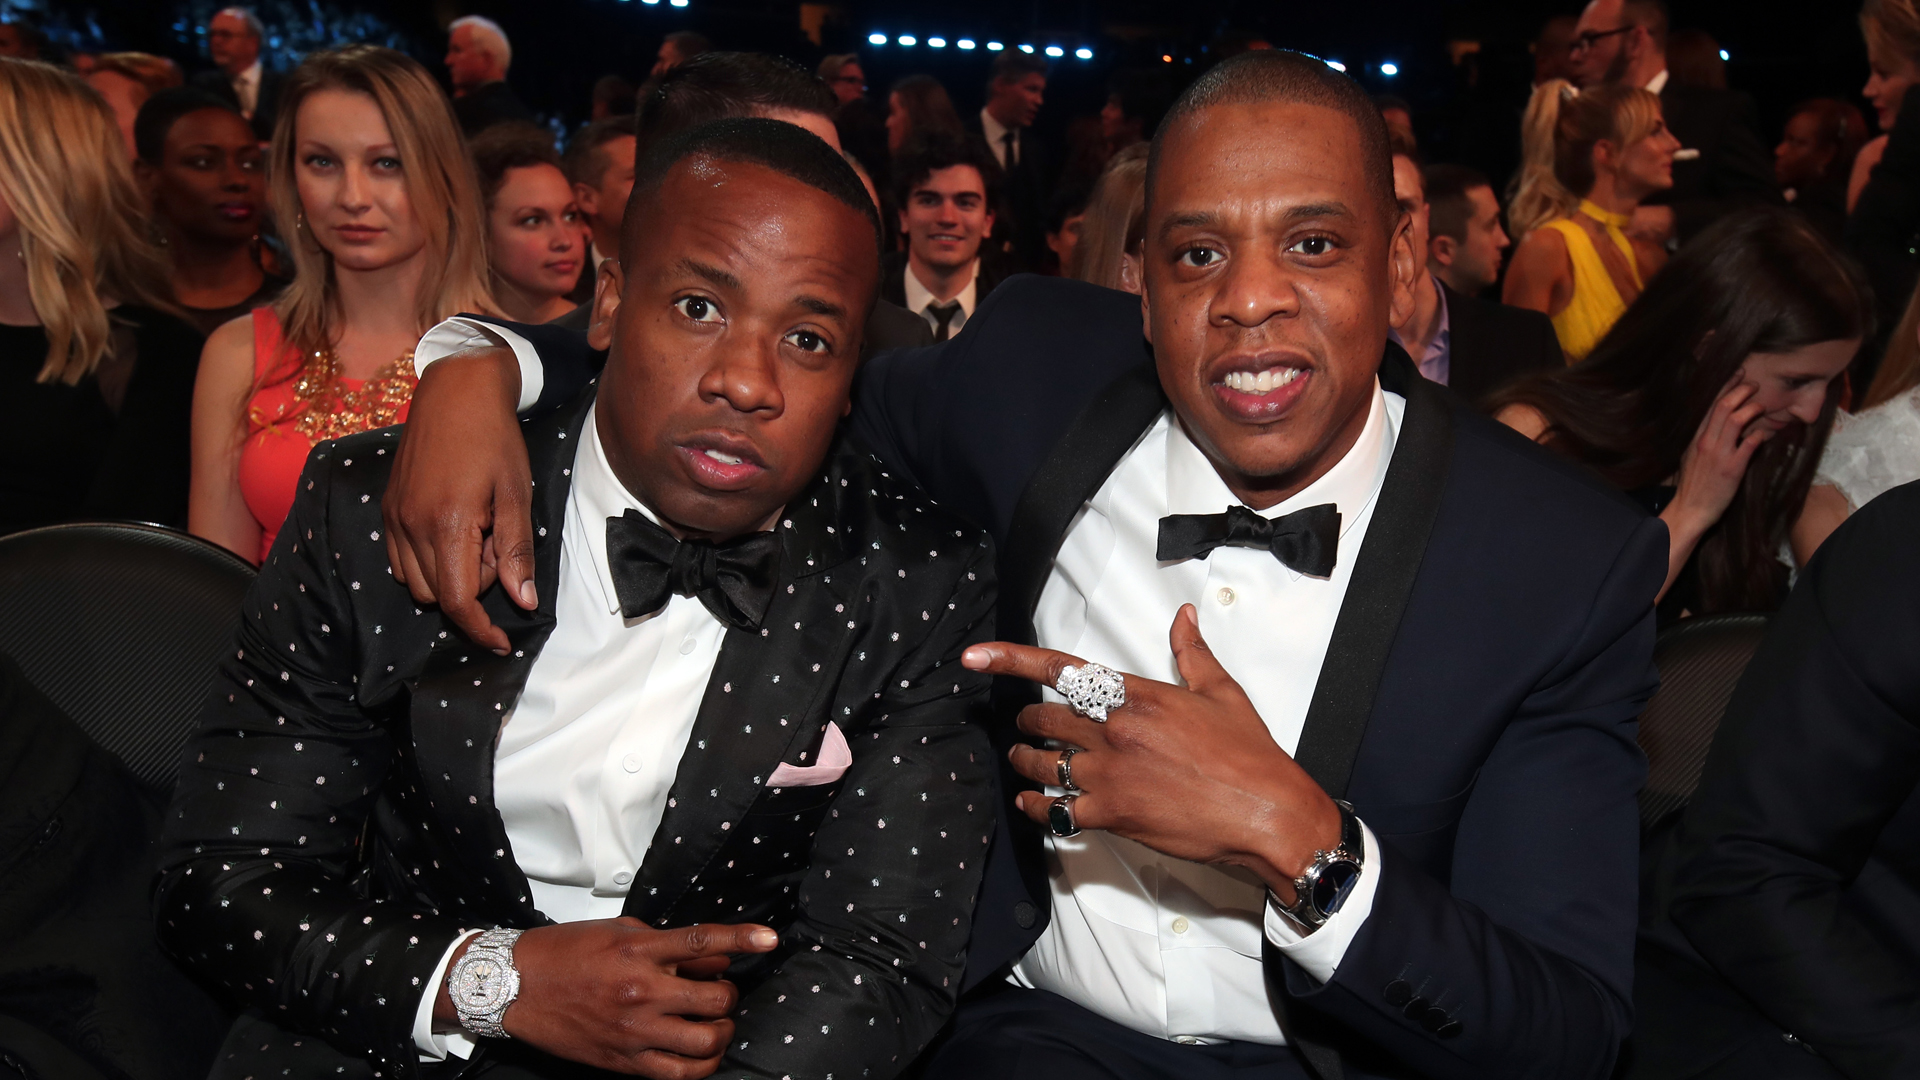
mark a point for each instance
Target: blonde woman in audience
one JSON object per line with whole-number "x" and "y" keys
{"x": 536, "y": 238}
{"x": 1589, "y": 158}
{"x": 1110, "y": 236}
{"x": 1892, "y": 30}
{"x": 369, "y": 175}
{"x": 96, "y": 373}
{"x": 1872, "y": 450}
{"x": 126, "y": 80}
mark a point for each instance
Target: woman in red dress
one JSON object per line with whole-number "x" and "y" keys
{"x": 369, "y": 169}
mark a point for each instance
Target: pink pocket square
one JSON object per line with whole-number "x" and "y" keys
{"x": 834, "y": 759}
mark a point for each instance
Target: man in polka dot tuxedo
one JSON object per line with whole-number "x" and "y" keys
{"x": 727, "y": 722}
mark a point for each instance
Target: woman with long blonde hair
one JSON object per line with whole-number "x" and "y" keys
{"x": 1589, "y": 157}
{"x": 370, "y": 179}
{"x": 96, "y": 373}
{"x": 1110, "y": 235}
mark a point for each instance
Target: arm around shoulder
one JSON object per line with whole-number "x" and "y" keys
{"x": 215, "y": 509}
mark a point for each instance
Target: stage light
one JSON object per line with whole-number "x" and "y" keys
{"x": 1083, "y": 53}
{"x": 872, "y": 39}
{"x": 965, "y": 43}
{"x": 1166, "y": 58}
{"x": 907, "y": 39}
{"x": 936, "y": 43}
{"x": 1336, "y": 65}
{"x": 678, "y": 3}
{"x": 1026, "y": 48}
{"x": 994, "y": 46}
{"x": 1056, "y": 51}
{"x": 1389, "y": 69}
{"x": 1723, "y": 55}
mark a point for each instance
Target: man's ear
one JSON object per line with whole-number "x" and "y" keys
{"x": 1402, "y": 270}
{"x": 988, "y": 229}
{"x": 903, "y": 221}
{"x": 587, "y": 199}
{"x": 606, "y": 301}
{"x": 1442, "y": 249}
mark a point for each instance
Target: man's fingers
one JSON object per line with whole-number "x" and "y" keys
{"x": 460, "y": 591}
{"x": 716, "y": 939}
{"x": 703, "y": 967}
{"x": 1048, "y": 721}
{"x": 703, "y": 999}
{"x": 1043, "y": 766}
{"x": 1020, "y": 661}
{"x": 660, "y": 1065}
{"x": 513, "y": 539}
{"x": 1037, "y": 805}
{"x": 1198, "y": 666}
{"x": 406, "y": 568}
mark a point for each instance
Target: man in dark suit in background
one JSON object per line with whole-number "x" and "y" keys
{"x": 1474, "y": 346}
{"x": 241, "y": 75}
{"x": 1408, "y": 607}
{"x": 478, "y": 56}
{"x": 1783, "y": 933}
{"x": 733, "y": 698}
{"x": 946, "y": 189}
{"x": 1624, "y": 43}
{"x": 1016, "y": 88}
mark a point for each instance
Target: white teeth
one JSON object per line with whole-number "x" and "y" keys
{"x": 724, "y": 459}
{"x": 1264, "y": 382}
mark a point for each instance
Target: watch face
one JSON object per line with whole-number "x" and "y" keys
{"x": 1336, "y": 882}
{"x": 481, "y": 985}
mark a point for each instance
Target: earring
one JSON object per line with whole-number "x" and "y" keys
{"x": 299, "y": 220}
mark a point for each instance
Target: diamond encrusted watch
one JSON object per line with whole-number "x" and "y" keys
{"x": 483, "y": 982}
{"x": 1323, "y": 888}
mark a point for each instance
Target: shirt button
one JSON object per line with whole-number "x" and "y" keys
{"x": 1180, "y": 924}
{"x": 622, "y": 878}
{"x": 1225, "y": 596}
{"x": 631, "y": 763}
{"x": 1187, "y": 1040}
{"x": 686, "y": 646}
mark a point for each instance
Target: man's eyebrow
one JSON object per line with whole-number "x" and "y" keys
{"x": 1203, "y": 219}
{"x": 826, "y": 309}
{"x": 711, "y": 273}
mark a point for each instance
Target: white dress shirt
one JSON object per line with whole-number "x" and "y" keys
{"x": 1161, "y": 945}
{"x": 920, "y": 298}
{"x": 996, "y": 134}
{"x": 588, "y": 753}
{"x": 246, "y": 87}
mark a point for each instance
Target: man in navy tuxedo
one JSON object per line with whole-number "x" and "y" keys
{"x": 1357, "y": 798}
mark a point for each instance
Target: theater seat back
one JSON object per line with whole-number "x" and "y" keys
{"x": 121, "y": 625}
{"x": 1700, "y": 660}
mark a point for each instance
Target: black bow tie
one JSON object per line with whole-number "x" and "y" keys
{"x": 734, "y": 579}
{"x": 1305, "y": 540}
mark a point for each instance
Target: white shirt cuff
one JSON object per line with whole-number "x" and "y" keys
{"x": 433, "y": 1046}
{"x": 1319, "y": 953}
{"x": 458, "y": 335}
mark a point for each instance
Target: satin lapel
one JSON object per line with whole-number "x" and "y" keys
{"x": 464, "y": 692}
{"x": 764, "y": 703}
{"x": 1073, "y": 472}
{"x": 1383, "y": 577}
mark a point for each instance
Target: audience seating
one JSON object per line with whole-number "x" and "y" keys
{"x": 121, "y": 625}
{"x": 1701, "y": 660}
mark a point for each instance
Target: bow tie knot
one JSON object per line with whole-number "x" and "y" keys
{"x": 1306, "y": 541}
{"x": 734, "y": 579}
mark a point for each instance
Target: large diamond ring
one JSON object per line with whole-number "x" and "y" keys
{"x": 1063, "y": 768}
{"x": 1060, "y": 817}
{"x": 1092, "y": 689}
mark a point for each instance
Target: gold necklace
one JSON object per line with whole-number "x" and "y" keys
{"x": 332, "y": 411}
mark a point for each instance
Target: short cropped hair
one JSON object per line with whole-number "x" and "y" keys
{"x": 785, "y": 148}
{"x": 1449, "y": 205}
{"x": 586, "y": 159}
{"x": 830, "y": 66}
{"x": 926, "y": 153}
{"x": 717, "y": 85}
{"x": 1279, "y": 75}
{"x": 488, "y": 35}
{"x": 1650, "y": 15}
{"x": 688, "y": 43}
{"x": 504, "y": 147}
{"x": 1011, "y": 66}
{"x": 164, "y": 109}
{"x": 247, "y": 16}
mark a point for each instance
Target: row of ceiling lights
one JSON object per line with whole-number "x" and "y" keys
{"x": 909, "y": 40}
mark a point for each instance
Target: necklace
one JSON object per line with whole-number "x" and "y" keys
{"x": 333, "y": 411}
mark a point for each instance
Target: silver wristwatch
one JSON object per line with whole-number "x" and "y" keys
{"x": 483, "y": 982}
{"x": 1323, "y": 889}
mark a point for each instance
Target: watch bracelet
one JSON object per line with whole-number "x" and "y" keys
{"x": 496, "y": 944}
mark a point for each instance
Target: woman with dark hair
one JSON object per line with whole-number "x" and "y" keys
{"x": 919, "y": 105}
{"x": 1816, "y": 152}
{"x": 536, "y": 239}
{"x": 1710, "y": 401}
{"x": 205, "y": 176}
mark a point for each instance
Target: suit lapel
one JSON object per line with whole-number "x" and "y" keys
{"x": 763, "y": 703}
{"x": 464, "y": 691}
{"x": 1383, "y": 578}
{"x": 1072, "y": 473}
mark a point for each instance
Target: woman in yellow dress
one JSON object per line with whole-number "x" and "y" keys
{"x": 1591, "y": 157}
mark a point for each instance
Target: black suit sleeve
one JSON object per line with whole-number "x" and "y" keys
{"x": 265, "y": 831}
{"x": 1819, "y": 748}
{"x": 1882, "y": 227}
{"x": 879, "y": 953}
{"x": 1528, "y": 949}
{"x": 567, "y": 363}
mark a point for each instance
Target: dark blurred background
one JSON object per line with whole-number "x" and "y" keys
{"x": 1464, "y": 65}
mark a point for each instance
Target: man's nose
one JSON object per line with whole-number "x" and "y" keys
{"x": 745, "y": 375}
{"x": 1254, "y": 289}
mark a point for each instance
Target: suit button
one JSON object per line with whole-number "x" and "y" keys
{"x": 1415, "y": 1009}
{"x": 1448, "y": 1030}
{"x": 1434, "y": 1019}
{"x": 1025, "y": 913}
{"x": 1398, "y": 993}
{"x": 631, "y": 763}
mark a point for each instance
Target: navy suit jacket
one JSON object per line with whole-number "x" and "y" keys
{"x": 1477, "y": 704}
